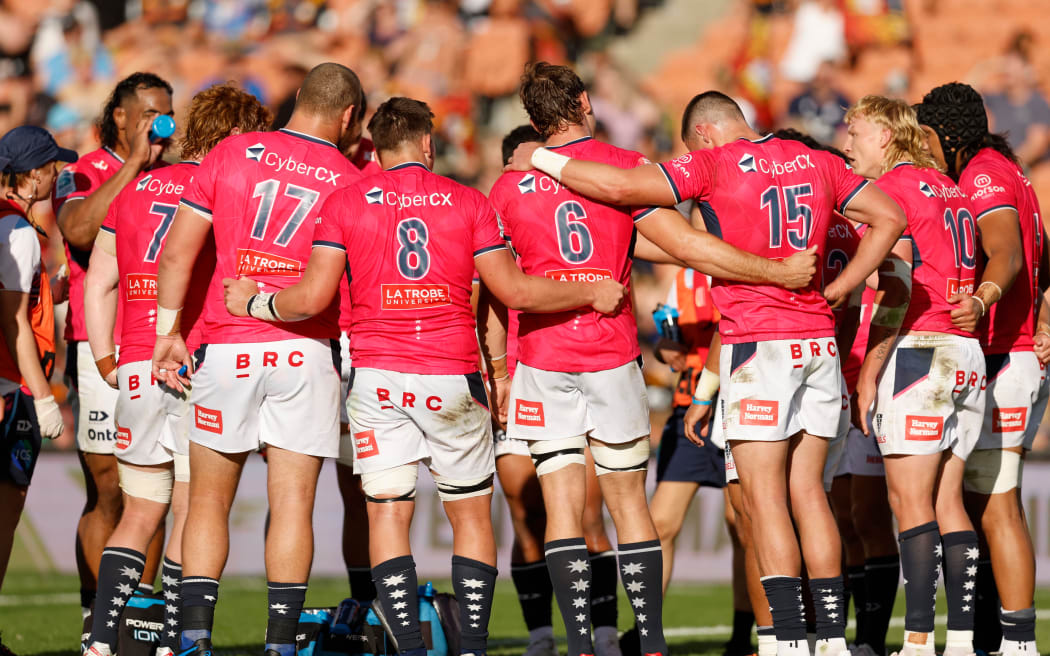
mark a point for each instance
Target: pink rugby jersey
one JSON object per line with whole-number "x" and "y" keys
{"x": 773, "y": 198}
{"x": 139, "y": 218}
{"x": 262, "y": 192}
{"x": 943, "y": 235}
{"x": 367, "y": 162}
{"x": 410, "y": 238}
{"x": 993, "y": 183}
{"x": 565, "y": 236}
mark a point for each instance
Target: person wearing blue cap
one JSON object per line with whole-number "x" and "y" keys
{"x": 27, "y": 355}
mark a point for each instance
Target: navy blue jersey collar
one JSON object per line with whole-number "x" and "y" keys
{"x": 190, "y": 162}
{"x": 308, "y": 137}
{"x": 569, "y": 143}
{"x": 900, "y": 164}
{"x": 113, "y": 153}
{"x": 760, "y": 139}
{"x": 405, "y": 165}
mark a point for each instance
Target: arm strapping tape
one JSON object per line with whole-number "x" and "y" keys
{"x": 263, "y": 306}
{"x": 549, "y": 162}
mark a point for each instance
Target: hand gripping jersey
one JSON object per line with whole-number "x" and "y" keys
{"x": 943, "y": 234}
{"x": 690, "y": 294}
{"x": 564, "y": 236}
{"x": 993, "y": 183}
{"x": 22, "y": 270}
{"x": 262, "y": 192}
{"x": 366, "y": 161}
{"x": 773, "y": 198}
{"x": 139, "y": 219}
{"x": 410, "y": 238}
{"x": 78, "y": 181}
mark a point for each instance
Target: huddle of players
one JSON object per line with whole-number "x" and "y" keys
{"x": 416, "y": 392}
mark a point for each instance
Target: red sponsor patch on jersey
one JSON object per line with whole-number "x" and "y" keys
{"x": 365, "y": 445}
{"x": 956, "y": 286}
{"x": 140, "y": 287}
{"x": 208, "y": 420}
{"x": 755, "y": 412}
{"x": 253, "y": 262}
{"x": 414, "y": 296}
{"x": 528, "y": 413}
{"x": 923, "y": 429}
{"x": 578, "y": 275}
{"x": 1009, "y": 420}
{"x": 123, "y": 437}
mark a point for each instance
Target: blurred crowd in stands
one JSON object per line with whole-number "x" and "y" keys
{"x": 791, "y": 63}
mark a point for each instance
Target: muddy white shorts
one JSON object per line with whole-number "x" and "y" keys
{"x": 152, "y": 419}
{"x": 93, "y": 401}
{"x": 611, "y": 406}
{"x": 930, "y": 396}
{"x": 440, "y": 420}
{"x": 774, "y": 389}
{"x": 284, "y": 394}
{"x": 1015, "y": 401}
{"x": 346, "y": 444}
{"x": 505, "y": 446}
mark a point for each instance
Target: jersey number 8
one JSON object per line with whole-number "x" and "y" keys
{"x": 413, "y": 260}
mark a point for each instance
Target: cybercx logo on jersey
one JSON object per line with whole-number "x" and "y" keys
{"x": 530, "y": 183}
{"x": 255, "y": 152}
{"x": 748, "y": 163}
{"x": 379, "y": 196}
{"x": 273, "y": 160}
{"x": 940, "y": 191}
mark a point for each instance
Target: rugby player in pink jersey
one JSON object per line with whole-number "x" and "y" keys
{"x": 411, "y": 241}
{"x": 780, "y": 382}
{"x": 924, "y": 375}
{"x": 151, "y": 450}
{"x": 82, "y": 196}
{"x": 257, "y": 383}
{"x": 1007, "y": 214}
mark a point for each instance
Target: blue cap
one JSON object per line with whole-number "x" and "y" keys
{"x": 163, "y": 127}
{"x": 28, "y": 147}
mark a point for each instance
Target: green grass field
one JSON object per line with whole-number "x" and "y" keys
{"x": 39, "y": 614}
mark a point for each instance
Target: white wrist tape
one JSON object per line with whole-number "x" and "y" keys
{"x": 263, "y": 306}
{"x": 997, "y": 288}
{"x": 706, "y": 386}
{"x": 166, "y": 319}
{"x": 549, "y": 162}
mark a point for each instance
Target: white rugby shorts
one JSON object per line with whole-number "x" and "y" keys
{"x": 93, "y": 402}
{"x": 505, "y": 446}
{"x": 284, "y": 394}
{"x": 1015, "y": 402}
{"x": 776, "y": 388}
{"x": 346, "y": 443}
{"x": 611, "y": 406}
{"x": 440, "y": 420}
{"x": 930, "y": 396}
{"x": 152, "y": 419}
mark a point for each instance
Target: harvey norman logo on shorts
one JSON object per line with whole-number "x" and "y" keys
{"x": 123, "y": 437}
{"x": 414, "y": 296}
{"x": 755, "y": 412}
{"x": 140, "y": 287}
{"x": 365, "y": 444}
{"x": 923, "y": 429}
{"x": 208, "y": 420}
{"x": 1009, "y": 420}
{"x": 528, "y": 413}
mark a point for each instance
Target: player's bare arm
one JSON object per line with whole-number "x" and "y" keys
{"x": 1042, "y": 328}
{"x": 650, "y": 252}
{"x": 518, "y": 291}
{"x": 891, "y": 304}
{"x": 306, "y": 298}
{"x": 1000, "y": 238}
{"x": 80, "y": 219}
{"x": 492, "y": 335}
{"x": 886, "y": 223}
{"x": 643, "y": 185}
{"x": 184, "y": 243}
{"x": 100, "y": 305}
{"x": 708, "y": 254}
{"x": 699, "y": 412}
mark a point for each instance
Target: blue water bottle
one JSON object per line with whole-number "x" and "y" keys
{"x": 163, "y": 127}
{"x": 666, "y": 319}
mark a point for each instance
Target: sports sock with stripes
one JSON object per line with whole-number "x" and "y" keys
{"x": 285, "y": 602}
{"x": 535, "y": 592}
{"x": 171, "y": 584}
{"x": 397, "y": 589}
{"x": 475, "y": 585}
{"x": 119, "y": 573}
{"x": 784, "y": 594}
{"x": 199, "y": 595}
{"x": 570, "y": 572}
{"x": 1018, "y": 627}
{"x": 920, "y": 561}
{"x": 829, "y": 613}
{"x": 641, "y": 568}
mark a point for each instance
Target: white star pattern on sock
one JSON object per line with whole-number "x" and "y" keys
{"x": 169, "y": 580}
{"x": 474, "y": 607}
{"x": 402, "y": 616}
{"x": 173, "y": 621}
{"x": 171, "y": 596}
{"x": 394, "y": 580}
{"x": 474, "y": 596}
{"x": 832, "y": 615}
{"x": 830, "y": 606}
{"x": 473, "y": 584}
{"x": 125, "y": 588}
{"x": 965, "y": 608}
{"x": 637, "y": 602}
{"x": 171, "y": 634}
{"x": 968, "y": 585}
{"x": 967, "y": 597}
{"x": 474, "y": 617}
{"x": 971, "y": 570}
{"x": 117, "y": 601}
{"x": 581, "y": 617}
{"x": 209, "y": 597}
{"x": 280, "y": 608}
{"x": 130, "y": 572}
{"x": 110, "y": 624}
{"x": 113, "y": 612}
{"x": 405, "y": 623}
{"x": 640, "y": 617}
{"x": 635, "y": 586}
{"x": 580, "y": 585}
{"x": 579, "y": 602}
{"x": 632, "y": 569}
{"x": 397, "y": 594}
{"x": 644, "y": 631}
{"x": 939, "y": 550}
{"x": 583, "y": 630}
{"x": 578, "y": 565}
{"x": 473, "y": 626}
{"x": 972, "y": 553}
{"x": 830, "y": 599}
{"x": 399, "y": 605}
{"x": 171, "y": 609}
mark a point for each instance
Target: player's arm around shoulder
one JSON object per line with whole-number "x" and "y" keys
{"x": 886, "y": 223}
{"x": 100, "y": 304}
